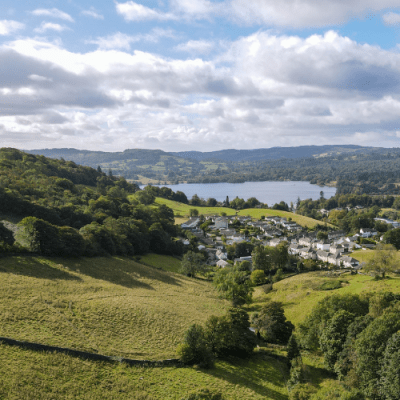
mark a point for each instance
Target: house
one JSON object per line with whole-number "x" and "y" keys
{"x": 191, "y": 224}
{"x": 308, "y": 254}
{"x": 322, "y": 255}
{"x": 241, "y": 259}
{"x": 323, "y": 245}
{"x": 366, "y": 233}
{"x": 349, "y": 262}
{"x": 332, "y": 235}
{"x": 221, "y": 223}
{"x": 335, "y": 258}
{"x": 335, "y": 248}
{"x": 221, "y": 255}
{"x": 222, "y": 263}
{"x": 305, "y": 241}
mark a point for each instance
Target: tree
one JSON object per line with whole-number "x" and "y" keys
{"x": 258, "y": 277}
{"x": 234, "y": 285}
{"x": 334, "y": 335}
{"x": 193, "y": 212}
{"x": 6, "y": 235}
{"x": 370, "y": 348}
{"x": 383, "y": 261}
{"x": 292, "y": 348}
{"x": 261, "y": 259}
{"x": 390, "y": 372}
{"x": 194, "y": 349}
{"x": 229, "y": 335}
{"x": 271, "y": 323}
{"x": 192, "y": 263}
{"x": 392, "y": 237}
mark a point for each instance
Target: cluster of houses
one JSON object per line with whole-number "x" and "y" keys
{"x": 274, "y": 230}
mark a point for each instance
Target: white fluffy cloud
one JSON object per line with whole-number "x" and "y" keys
{"x": 266, "y": 90}
{"x": 7, "y": 27}
{"x": 284, "y": 13}
{"x": 53, "y": 13}
{"x": 132, "y": 11}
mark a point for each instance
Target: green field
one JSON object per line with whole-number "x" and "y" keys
{"x": 111, "y": 305}
{"x": 183, "y": 210}
{"x": 300, "y": 293}
{"x": 33, "y": 375}
{"x": 114, "y": 306}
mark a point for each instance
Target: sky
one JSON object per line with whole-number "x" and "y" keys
{"x": 204, "y": 75}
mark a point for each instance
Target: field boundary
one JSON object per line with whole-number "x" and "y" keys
{"x": 89, "y": 356}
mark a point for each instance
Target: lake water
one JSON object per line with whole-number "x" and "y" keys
{"x": 270, "y": 192}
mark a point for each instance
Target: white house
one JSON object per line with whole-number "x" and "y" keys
{"x": 222, "y": 263}
{"x": 323, "y": 245}
{"x": 366, "y": 233}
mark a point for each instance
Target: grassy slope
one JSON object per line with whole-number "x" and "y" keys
{"x": 183, "y": 210}
{"x": 300, "y": 293}
{"x": 112, "y": 305}
{"x": 115, "y": 306}
{"x": 36, "y": 375}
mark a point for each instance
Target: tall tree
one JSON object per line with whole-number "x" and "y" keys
{"x": 384, "y": 260}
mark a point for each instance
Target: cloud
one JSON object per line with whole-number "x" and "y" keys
{"x": 49, "y": 26}
{"x": 287, "y": 13}
{"x": 196, "y": 46}
{"x": 266, "y": 90}
{"x": 123, "y": 41}
{"x": 132, "y": 11}
{"x": 7, "y": 27}
{"x": 391, "y": 18}
{"x": 54, "y": 13}
{"x": 92, "y": 13}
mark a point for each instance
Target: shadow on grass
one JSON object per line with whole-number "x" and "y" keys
{"x": 34, "y": 267}
{"x": 120, "y": 271}
{"x": 257, "y": 373}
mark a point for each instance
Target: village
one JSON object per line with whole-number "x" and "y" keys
{"x": 334, "y": 250}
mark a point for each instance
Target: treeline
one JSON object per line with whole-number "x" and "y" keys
{"x": 75, "y": 210}
{"x": 359, "y": 336}
{"x": 350, "y": 212}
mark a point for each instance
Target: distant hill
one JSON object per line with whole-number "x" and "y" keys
{"x": 351, "y": 168}
{"x": 272, "y": 153}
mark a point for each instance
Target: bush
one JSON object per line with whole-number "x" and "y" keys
{"x": 258, "y": 277}
{"x": 331, "y": 285}
{"x": 194, "y": 349}
{"x": 302, "y": 391}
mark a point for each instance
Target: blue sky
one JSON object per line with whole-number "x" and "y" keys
{"x": 199, "y": 74}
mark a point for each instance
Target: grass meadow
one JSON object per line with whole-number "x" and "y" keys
{"x": 115, "y": 306}
{"x": 300, "y": 293}
{"x": 34, "y": 375}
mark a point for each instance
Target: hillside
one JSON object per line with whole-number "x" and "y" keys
{"x": 113, "y": 306}
{"x": 300, "y": 293}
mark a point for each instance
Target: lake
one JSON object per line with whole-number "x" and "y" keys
{"x": 270, "y": 192}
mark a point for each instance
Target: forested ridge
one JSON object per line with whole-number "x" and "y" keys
{"x": 352, "y": 169}
{"x": 71, "y": 209}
